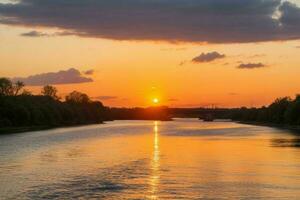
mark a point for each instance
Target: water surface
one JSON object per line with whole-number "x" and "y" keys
{"x": 182, "y": 159}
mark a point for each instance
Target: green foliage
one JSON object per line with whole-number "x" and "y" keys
{"x": 24, "y": 109}
{"x": 282, "y": 111}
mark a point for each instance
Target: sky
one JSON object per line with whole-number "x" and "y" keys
{"x": 125, "y": 53}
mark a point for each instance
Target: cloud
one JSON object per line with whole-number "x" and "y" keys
{"x": 233, "y": 94}
{"x": 70, "y": 76}
{"x": 106, "y": 98}
{"x": 174, "y": 49}
{"x": 257, "y": 56}
{"x": 34, "y": 34}
{"x": 251, "y": 65}
{"x": 183, "y": 63}
{"x": 89, "y": 72}
{"x": 173, "y": 100}
{"x": 42, "y": 34}
{"x": 208, "y": 57}
{"x": 212, "y": 21}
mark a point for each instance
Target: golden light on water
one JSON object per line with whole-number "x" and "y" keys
{"x": 152, "y": 163}
{"x": 155, "y": 165}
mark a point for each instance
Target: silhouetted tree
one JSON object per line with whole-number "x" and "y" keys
{"x": 26, "y": 93}
{"x": 284, "y": 111}
{"x": 277, "y": 109}
{"x": 7, "y": 88}
{"x": 292, "y": 114}
{"x": 17, "y": 87}
{"x": 77, "y": 97}
{"x": 50, "y": 91}
{"x": 20, "y": 108}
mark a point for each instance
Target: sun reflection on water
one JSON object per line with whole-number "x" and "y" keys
{"x": 155, "y": 165}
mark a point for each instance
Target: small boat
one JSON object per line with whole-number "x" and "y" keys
{"x": 207, "y": 118}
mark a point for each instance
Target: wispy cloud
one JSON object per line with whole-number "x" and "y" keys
{"x": 106, "y": 98}
{"x": 43, "y": 34}
{"x": 89, "y": 72}
{"x": 69, "y": 76}
{"x": 174, "y": 49}
{"x": 251, "y": 65}
{"x": 257, "y": 56}
{"x": 183, "y": 63}
{"x": 173, "y": 100}
{"x": 208, "y": 57}
{"x": 233, "y": 94}
{"x": 34, "y": 34}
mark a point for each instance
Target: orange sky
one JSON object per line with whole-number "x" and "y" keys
{"x": 132, "y": 73}
{"x": 136, "y": 72}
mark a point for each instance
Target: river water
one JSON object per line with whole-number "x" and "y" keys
{"x": 181, "y": 159}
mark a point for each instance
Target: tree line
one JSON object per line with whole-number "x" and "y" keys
{"x": 283, "y": 111}
{"x": 20, "y": 108}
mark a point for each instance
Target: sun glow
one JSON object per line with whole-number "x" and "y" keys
{"x": 155, "y": 100}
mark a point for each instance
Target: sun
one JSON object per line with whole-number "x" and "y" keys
{"x": 155, "y": 100}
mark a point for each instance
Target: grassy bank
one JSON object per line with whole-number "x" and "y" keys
{"x": 273, "y": 125}
{"x": 10, "y": 130}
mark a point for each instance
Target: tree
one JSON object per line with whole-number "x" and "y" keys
{"x": 6, "y": 87}
{"x": 77, "y": 97}
{"x": 26, "y": 93}
{"x": 278, "y": 108}
{"x": 18, "y": 107}
{"x": 50, "y": 91}
{"x": 17, "y": 87}
{"x": 292, "y": 114}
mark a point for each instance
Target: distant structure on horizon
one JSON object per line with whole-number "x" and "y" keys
{"x": 207, "y": 117}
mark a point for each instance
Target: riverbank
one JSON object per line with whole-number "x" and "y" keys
{"x": 281, "y": 126}
{"x": 12, "y": 130}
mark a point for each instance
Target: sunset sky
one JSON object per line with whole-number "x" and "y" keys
{"x": 186, "y": 53}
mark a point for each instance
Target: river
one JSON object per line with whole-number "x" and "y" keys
{"x": 180, "y": 159}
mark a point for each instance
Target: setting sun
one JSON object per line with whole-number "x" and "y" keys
{"x": 155, "y": 100}
{"x": 129, "y": 99}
